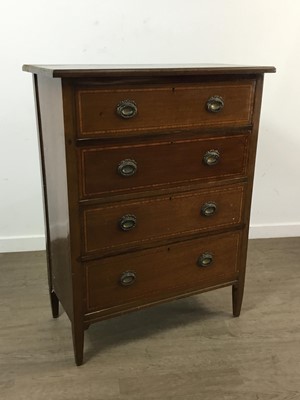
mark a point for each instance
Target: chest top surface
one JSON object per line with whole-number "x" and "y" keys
{"x": 131, "y": 70}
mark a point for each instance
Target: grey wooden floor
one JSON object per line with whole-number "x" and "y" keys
{"x": 187, "y": 349}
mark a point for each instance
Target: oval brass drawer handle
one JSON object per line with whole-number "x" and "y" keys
{"x": 127, "y": 109}
{"x": 211, "y": 157}
{"x": 127, "y": 278}
{"x": 127, "y": 222}
{"x": 205, "y": 260}
{"x": 215, "y": 104}
{"x": 209, "y": 208}
{"x": 127, "y": 167}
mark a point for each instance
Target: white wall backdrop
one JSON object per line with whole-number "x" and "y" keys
{"x": 135, "y": 31}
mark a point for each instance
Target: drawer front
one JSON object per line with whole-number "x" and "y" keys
{"x": 131, "y": 223}
{"x": 161, "y": 272}
{"x": 99, "y": 111}
{"x": 118, "y": 169}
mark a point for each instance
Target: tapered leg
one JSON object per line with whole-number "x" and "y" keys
{"x": 54, "y": 304}
{"x": 78, "y": 342}
{"x": 237, "y": 298}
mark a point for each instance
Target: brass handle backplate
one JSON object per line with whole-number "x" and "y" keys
{"x": 215, "y": 104}
{"x": 127, "y": 222}
{"x": 211, "y": 157}
{"x": 205, "y": 260}
{"x": 209, "y": 208}
{"x": 127, "y": 109}
{"x": 127, "y": 278}
{"x": 127, "y": 167}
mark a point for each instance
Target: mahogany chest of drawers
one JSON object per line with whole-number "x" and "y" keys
{"x": 147, "y": 178}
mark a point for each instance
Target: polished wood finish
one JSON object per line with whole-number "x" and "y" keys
{"x": 163, "y": 107}
{"x": 161, "y": 217}
{"x": 161, "y": 272}
{"x": 141, "y": 70}
{"x": 160, "y": 164}
{"x": 97, "y": 270}
{"x": 52, "y": 144}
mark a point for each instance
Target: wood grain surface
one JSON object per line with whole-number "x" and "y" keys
{"x": 160, "y": 218}
{"x": 160, "y": 164}
{"x": 161, "y": 272}
{"x": 83, "y": 140}
{"x": 163, "y": 107}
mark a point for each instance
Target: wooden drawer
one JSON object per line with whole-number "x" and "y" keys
{"x": 160, "y": 217}
{"x": 154, "y": 165}
{"x": 161, "y": 272}
{"x": 163, "y": 107}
